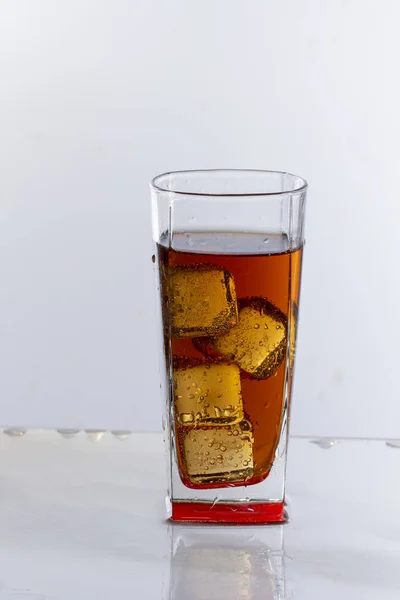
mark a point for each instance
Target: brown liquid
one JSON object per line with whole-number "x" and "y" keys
{"x": 262, "y": 279}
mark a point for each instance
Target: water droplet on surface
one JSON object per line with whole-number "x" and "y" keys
{"x": 188, "y": 240}
{"x": 121, "y": 435}
{"x": 266, "y": 240}
{"x": 95, "y": 434}
{"x": 325, "y": 444}
{"x": 153, "y": 258}
{"x": 393, "y": 443}
{"x": 68, "y": 433}
{"x": 15, "y": 431}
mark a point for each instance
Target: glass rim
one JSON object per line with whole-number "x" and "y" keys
{"x": 301, "y": 187}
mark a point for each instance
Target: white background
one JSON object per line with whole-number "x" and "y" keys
{"x": 96, "y": 97}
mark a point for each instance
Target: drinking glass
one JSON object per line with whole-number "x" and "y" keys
{"x": 228, "y": 254}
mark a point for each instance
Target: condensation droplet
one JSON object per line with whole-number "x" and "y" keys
{"x": 266, "y": 240}
{"x": 153, "y": 258}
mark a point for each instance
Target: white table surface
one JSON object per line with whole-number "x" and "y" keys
{"x": 83, "y": 517}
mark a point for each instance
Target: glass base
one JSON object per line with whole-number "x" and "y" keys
{"x": 234, "y": 513}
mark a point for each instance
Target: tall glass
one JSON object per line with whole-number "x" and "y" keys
{"x": 228, "y": 252}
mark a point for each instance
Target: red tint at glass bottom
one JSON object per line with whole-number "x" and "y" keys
{"x": 260, "y": 513}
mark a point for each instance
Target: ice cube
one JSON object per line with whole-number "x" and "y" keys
{"x": 208, "y": 394}
{"x": 257, "y": 343}
{"x": 215, "y": 454}
{"x": 202, "y": 301}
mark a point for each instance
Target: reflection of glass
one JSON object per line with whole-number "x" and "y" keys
{"x": 224, "y": 564}
{"x": 228, "y": 253}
